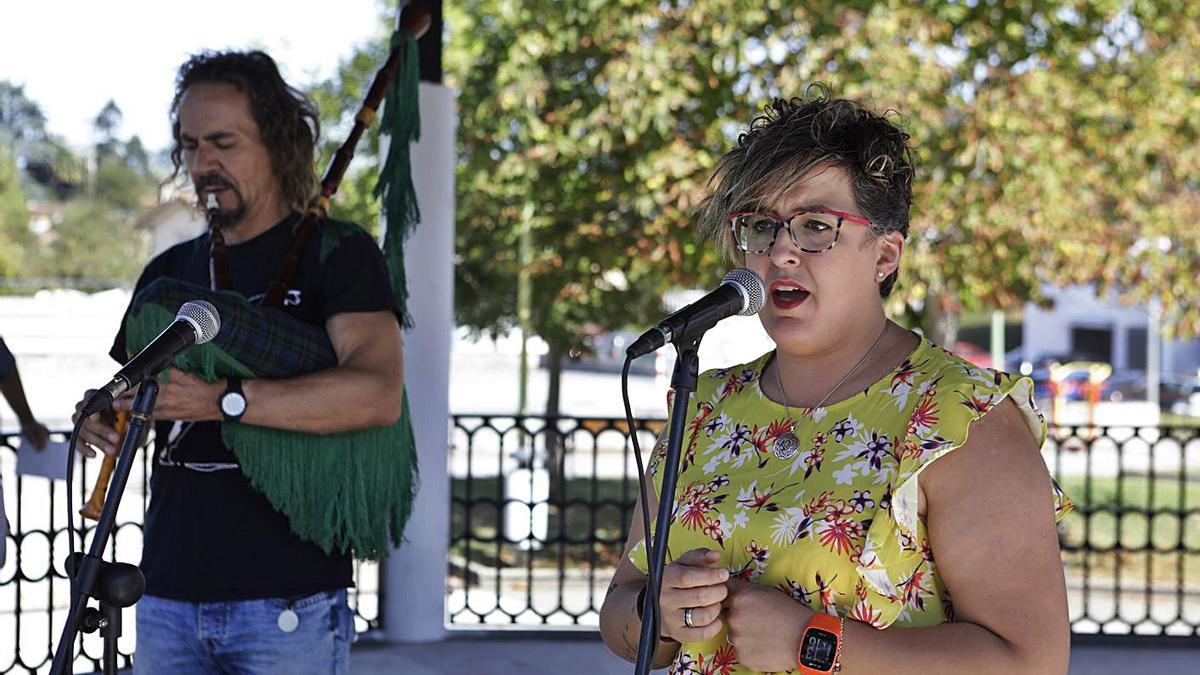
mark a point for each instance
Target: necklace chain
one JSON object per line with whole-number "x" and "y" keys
{"x": 783, "y": 392}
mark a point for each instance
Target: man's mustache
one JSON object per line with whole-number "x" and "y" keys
{"x": 214, "y": 180}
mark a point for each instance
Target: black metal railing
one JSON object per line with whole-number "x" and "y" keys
{"x": 1131, "y": 548}
{"x": 33, "y": 586}
{"x": 537, "y": 547}
{"x": 531, "y": 546}
{"x": 540, "y": 509}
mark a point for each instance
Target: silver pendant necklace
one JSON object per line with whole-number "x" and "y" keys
{"x": 787, "y": 445}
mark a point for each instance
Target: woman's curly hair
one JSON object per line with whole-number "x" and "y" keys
{"x": 793, "y": 136}
{"x": 287, "y": 120}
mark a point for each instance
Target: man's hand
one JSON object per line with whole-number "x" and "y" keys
{"x": 96, "y": 432}
{"x": 765, "y": 625}
{"x": 36, "y": 432}
{"x": 181, "y": 397}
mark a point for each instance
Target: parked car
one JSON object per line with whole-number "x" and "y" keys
{"x": 1176, "y": 394}
{"x": 1038, "y": 369}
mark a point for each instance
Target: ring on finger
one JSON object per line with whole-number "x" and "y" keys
{"x": 687, "y": 617}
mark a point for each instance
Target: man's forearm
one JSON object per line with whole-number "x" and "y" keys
{"x": 338, "y": 399}
{"x": 14, "y": 393}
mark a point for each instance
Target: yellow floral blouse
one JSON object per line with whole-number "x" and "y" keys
{"x": 835, "y": 524}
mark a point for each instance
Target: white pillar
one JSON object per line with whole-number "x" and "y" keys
{"x": 1154, "y": 353}
{"x": 415, "y": 574}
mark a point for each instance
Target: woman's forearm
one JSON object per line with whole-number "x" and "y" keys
{"x": 949, "y": 648}
{"x": 621, "y": 628}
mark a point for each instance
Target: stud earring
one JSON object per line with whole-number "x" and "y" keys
{"x": 880, "y": 274}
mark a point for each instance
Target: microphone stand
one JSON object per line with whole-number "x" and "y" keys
{"x": 114, "y": 585}
{"x": 683, "y": 382}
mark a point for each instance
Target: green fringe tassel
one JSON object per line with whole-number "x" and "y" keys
{"x": 402, "y": 121}
{"x": 343, "y": 491}
{"x": 349, "y": 491}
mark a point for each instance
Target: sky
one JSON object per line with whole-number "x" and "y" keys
{"x": 73, "y": 56}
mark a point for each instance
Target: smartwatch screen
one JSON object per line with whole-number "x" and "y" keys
{"x": 819, "y": 649}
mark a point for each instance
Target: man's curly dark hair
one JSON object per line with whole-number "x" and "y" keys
{"x": 287, "y": 120}
{"x": 793, "y": 136}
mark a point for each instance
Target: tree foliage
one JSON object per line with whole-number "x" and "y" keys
{"x": 1056, "y": 143}
{"x": 592, "y": 126}
{"x": 15, "y": 237}
{"x": 106, "y": 124}
{"x": 338, "y": 100}
{"x": 21, "y": 119}
{"x": 91, "y": 238}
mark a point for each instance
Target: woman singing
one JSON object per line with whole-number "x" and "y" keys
{"x": 859, "y": 499}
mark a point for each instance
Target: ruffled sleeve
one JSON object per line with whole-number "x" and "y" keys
{"x": 948, "y": 401}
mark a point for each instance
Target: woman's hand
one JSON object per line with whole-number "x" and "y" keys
{"x": 765, "y": 625}
{"x": 690, "y": 582}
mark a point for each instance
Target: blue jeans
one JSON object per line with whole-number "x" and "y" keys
{"x": 244, "y": 636}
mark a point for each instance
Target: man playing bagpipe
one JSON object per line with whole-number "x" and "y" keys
{"x": 283, "y": 447}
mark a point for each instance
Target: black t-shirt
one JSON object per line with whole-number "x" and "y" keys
{"x": 209, "y": 536}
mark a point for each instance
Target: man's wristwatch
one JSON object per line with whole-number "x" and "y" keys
{"x": 232, "y": 401}
{"x": 820, "y": 646}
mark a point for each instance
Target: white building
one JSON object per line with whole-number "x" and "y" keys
{"x": 175, "y": 219}
{"x": 1082, "y": 326}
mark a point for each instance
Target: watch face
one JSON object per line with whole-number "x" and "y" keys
{"x": 233, "y": 404}
{"x": 819, "y": 649}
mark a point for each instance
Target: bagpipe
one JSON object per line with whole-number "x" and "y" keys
{"x": 349, "y": 491}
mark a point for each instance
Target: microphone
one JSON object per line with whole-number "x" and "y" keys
{"x": 741, "y": 292}
{"x": 196, "y": 323}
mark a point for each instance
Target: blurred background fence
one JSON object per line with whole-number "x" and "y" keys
{"x": 33, "y": 586}
{"x": 540, "y": 509}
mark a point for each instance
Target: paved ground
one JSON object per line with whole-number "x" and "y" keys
{"x": 585, "y": 655}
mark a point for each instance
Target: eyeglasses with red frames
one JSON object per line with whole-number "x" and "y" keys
{"x": 813, "y": 231}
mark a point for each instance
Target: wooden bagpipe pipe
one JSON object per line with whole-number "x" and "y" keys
{"x": 416, "y": 21}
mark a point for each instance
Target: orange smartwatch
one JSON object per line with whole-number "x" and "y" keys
{"x": 820, "y": 646}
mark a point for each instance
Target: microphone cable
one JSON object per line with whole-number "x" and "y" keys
{"x": 652, "y": 581}
{"x": 73, "y": 590}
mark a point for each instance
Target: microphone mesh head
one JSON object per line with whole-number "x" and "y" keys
{"x": 203, "y": 317}
{"x": 752, "y": 287}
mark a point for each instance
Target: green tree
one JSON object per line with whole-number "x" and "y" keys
{"x": 15, "y": 237}
{"x": 93, "y": 239}
{"x": 106, "y": 124}
{"x": 21, "y": 119}
{"x": 584, "y": 132}
{"x": 339, "y": 99}
{"x": 593, "y": 128}
{"x": 94, "y": 243}
{"x": 136, "y": 157}
{"x": 122, "y": 187}
{"x": 50, "y": 170}
{"x": 1135, "y": 122}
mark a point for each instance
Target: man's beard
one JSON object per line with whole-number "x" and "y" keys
{"x": 217, "y": 217}
{"x": 226, "y": 219}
